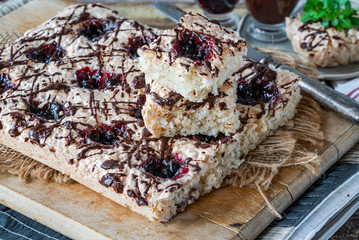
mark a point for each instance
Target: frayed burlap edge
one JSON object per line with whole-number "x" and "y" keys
{"x": 26, "y": 168}
{"x": 281, "y": 56}
{"x": 295, "y": 144}
{"x": 288, "y": 146}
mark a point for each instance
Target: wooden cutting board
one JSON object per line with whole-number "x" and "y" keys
{"x": 227, "y": 213}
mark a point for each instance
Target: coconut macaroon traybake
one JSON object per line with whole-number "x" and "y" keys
{"x": 73, "y": 97}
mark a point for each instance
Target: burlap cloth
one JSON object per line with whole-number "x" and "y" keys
{"x": 294, "y": 144}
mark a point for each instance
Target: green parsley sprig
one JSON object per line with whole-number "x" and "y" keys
{"x": 331, "y": 13}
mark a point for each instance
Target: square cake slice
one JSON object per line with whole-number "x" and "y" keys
{"x": 167, "y": 113}
{"x": 195, "y": 58}
{"x": 264, "y": 105}
{"x": 71, "y": 97}
{"x": 250, "y": 90}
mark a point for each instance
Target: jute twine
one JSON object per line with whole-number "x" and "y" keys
{"x": 26, "y": 168}
{"x": 280, "y": 55}
{"x": 294, "y": 144}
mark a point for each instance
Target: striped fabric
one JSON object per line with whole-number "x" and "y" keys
{"x": 349, "y": 88}
{"x": 11, "y": 5}
{"x": 15, "y": 226}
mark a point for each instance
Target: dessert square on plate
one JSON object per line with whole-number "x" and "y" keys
{"x": 324, "y": 47}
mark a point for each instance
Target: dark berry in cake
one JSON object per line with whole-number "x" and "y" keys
{"x": 50, "y": 111}
{"x": 107, "y": 134}
{"x": 136, "y": 110}
{"x": 141, "y": 100}
{"x": 172, "y": 168}
{"x": 56, "y": 111}
{"x": 181, "y": 172}
{"x": 139, "y": 81}
{"x": 95, "y": 79}
{"x": 161, "y": 168}
{"x": 94, "y": 29}
{"x": 136, "y": 43}
{"x": 136, "y": 113}
{"x": 5, "y": 83}
{"x": 87, "y": 78}
{"x": 45, "y": 53}
{"x": 111, "y": 80}
{"x": 203, "y": 138}
{"x": 259, "y": 88}
{"x": 198, "y": 47}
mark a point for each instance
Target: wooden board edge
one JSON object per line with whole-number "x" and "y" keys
{"x": 40, "y": 213}
{"x": 285, "y": 198}
{"x": 342, "y": 145}
{"x": 68, "y": 228}
{"x": 352, "y": 134}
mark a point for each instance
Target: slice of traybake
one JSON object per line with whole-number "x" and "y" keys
{"x": 253, "y": 87}
{"x": 167, "y": 113}
{"x": 195, "y": 58}
{"x": 71, "y": 97}
{"x": 324, "y": 47}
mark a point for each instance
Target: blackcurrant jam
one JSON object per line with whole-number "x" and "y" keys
{"x": 173, "y": 168}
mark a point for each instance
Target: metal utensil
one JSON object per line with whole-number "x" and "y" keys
{"x": 327, "y": 97}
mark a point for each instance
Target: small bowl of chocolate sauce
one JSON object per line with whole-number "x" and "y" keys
{"x": 268, "y": 19}
{"x": 221, "y": 10}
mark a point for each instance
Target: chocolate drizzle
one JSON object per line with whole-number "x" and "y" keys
{"x": 19, "y": 125}
{"x": 173, "y": 98}
{"x": 315, "y": 35}
{"x": 140, "y": 200}
{"x": 48, "y": 108}
{"x": 211, "y": 100}
{"x": 223, "y": 106}
{"x": 39, "y": 133}
{"x": 114, "y": 180}
{"x": 170, "y": 101}
{"x": 112, "y": 164}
